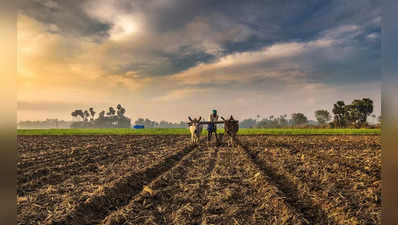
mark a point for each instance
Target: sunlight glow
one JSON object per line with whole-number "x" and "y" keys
{"x": 123, "y": 28}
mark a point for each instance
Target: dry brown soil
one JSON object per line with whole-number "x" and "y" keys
{"x": 127, "y": 179}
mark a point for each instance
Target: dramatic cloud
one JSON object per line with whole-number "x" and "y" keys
{"x": 245, "y": 58}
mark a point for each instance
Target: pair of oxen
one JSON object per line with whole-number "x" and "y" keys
{"x": 231, "y": 127}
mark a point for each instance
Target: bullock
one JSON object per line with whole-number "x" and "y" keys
{"x": 231, "y": 128}
{"x": 196, "y": 129}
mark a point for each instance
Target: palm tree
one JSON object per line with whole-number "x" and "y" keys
{"x": 120, "y": 110}
{"x": 111, "y": 112}
{"x": 339, "y": 111}
{"x": 92, "y": 112}
{"x": 102, "y": 114}
{"x": 80, "y": 113}
{"x": 86, "y": 115}
{"x": 368, "y": 107}
{"x": 74, "y": 114}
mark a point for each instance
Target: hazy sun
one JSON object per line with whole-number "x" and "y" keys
{"x": 124, "y": 27}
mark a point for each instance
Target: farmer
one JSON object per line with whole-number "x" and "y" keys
{"x": 212, "y": 127}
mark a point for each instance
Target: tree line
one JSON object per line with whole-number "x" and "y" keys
{"x": 113, "y": 118}
{"x": 45, "y": 124}
{"x": 281, "y": 121}
{"x": 162, "y": 124}
{"x": 354, "y": 115}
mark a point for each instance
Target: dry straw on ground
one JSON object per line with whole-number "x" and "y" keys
{"x": 163, "y": 180}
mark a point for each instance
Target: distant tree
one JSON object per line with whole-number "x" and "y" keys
{"x": 268, "y": 122}
{"x": 120, "y": 110}
{"x": 165, "y": 124}
{"x": 283, "y": 121}
{"x": 358, "y": 112}
{"x": 111, "y": 112}
{"x": 264, "y": 123}
{"x": 150, "y": 124}
{"x": 368, "y": 104}
{"x": 182, "y": 124}
{"x": 104, "y": 120}
{"x": 92, "y": 113}
{"x": 322, "y": 116}
{"x": 147, "y": 123}
{"x": 140, "y": 121}
{"x": 299, "y": 119}
{"x": 365, "y": 107}
{"x": 355, "y": 114}
{"x": 352, "y": 115}
{"x": 247, "y": 123}
{"x": 74, "y": 114}
{"x": 86, "y": 115}
{"x": 102, "y": 114}
{"x": 80, "y": 113}
{"x": 339, "y": 111}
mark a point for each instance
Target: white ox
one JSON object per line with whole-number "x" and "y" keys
{"x": 196, "y": 129}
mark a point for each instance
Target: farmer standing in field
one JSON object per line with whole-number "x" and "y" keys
{"x": 212, "y": 127}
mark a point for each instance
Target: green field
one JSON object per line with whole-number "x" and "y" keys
{"x": 174, "y": 131}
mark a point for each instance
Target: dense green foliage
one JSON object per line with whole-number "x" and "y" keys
{"x": 112, "y": 119}
{"x": 322, "y": 116}
{"x": 299, "y": 119}
{"x": 162, "y": 124}
{"x": 355, "y": 114}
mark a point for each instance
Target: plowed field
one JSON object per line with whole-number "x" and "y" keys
{"x": 128, "y": 179}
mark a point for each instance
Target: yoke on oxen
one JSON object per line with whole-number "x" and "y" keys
{"x": 231, "y": 127}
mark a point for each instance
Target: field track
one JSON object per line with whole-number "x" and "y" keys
{"x": 164, "y": 180}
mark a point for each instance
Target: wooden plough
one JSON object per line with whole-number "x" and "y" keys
{"x": 231, "y": 127}
{"x": 206, "y": 122}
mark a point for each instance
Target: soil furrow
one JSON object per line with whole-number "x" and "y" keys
{"x": 53, "y": 176}
{"x": 322, "y": 142}
{"x": 176, "y": 197}
{"x": 126, "y": 179}
{"x": 336, "y": 152}
{"x": 295, "y": 195}
{"x": 61, "y": 156}
{"x": 118, "y": 193}
{"x": 316, "y": 176}
{"x": 248, "y": 200}
{"x": 64, "y": 159}
{"x": 52, "y": 202}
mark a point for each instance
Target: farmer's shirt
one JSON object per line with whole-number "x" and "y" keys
{"x": 213, "y": 118}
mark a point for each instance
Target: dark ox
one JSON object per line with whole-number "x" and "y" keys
{"x": 231, "y": 128}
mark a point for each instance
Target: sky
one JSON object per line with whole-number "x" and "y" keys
{"x": 169, "y": 59}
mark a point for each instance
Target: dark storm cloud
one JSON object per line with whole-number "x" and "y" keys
{"x": 236, "y": 26}
{"x": 178, "y": 61}
{"x": 270, "y": 20}
{"x": 184, "y": 59}
{"x": 68, "y": 16}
